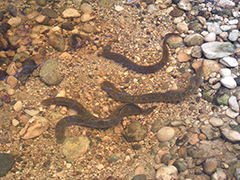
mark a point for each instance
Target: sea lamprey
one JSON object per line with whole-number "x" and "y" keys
{"x": 85, "y": 118}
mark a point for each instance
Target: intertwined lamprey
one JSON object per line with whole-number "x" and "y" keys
{"x": 85, "y": 118}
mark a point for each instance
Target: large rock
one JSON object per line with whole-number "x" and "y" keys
{"x": 214, "y": 50}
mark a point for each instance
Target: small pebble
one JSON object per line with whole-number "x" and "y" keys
{"x": 165, "y": 134}
{"x": 228, "y": 82}
{"x": 18, "y": 106}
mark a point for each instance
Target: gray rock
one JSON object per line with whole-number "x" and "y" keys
{"x": 237, "y": 173}
{"x": 226, "y": 4}
{"x": 140, "y": 177}
{"x": 193, "y": 39}
{"x": 211, "y": 133}
{"x": 49, "y": 73}
{"x": 214, "y": 27}
{"x": 214, "y": 50}
{"x": 180, "y": 165}
{"x": 233, "y": 103}
{"x": 233, "y": 35}
{"x": 196, "y": 52}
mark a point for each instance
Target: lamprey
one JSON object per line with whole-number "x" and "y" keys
{"x": 138, "y": 68}
{"x": 85, "y": 118}
{"x": 169, "y": 96}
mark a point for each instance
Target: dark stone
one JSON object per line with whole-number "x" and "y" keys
{"x": 50, "y": 13}
{"x": 176, "y": 12}
{"x": 67, "y": 26}
{"x": 140, "y": 177}
{"x": 7, "y": 161}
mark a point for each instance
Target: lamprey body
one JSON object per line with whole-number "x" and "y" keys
{"x": 85, "y": 118}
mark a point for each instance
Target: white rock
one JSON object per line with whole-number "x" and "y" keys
{"x": 210, "y": 37}
{"x": 230, "y": 113}
{"x": 229, "y": 61}
{"x": 216, "y": 121}
{"x": 228, "y": 82}
{"x": 231, "y": 135}
{"x": 165, "y": 134}
{"x": 167, "y": 173}
{"x": 219, "y": 175}
{"x": 70, "y": 12}
{"x": 226, "y": 4}
{"x": 17, "y": 106}
{"x": 233, "y": 21}
{"x": 225, "y": 72}
{"x": 225, "y": 27}
{"x": 185, "y": 5}
{"x": 214, "y": 50}
{"x": 214, "y": 27}
{"x": 233, "y": 103}
{"x": 233, "y": 35}
{"x": 34, "y": 127}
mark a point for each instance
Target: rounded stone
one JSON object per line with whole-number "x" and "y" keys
{"x": 165, "y": 134}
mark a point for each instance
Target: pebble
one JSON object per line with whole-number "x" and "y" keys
{"x": 17, "y": 106}
{"x": 230, "y": 113}
{"x": 139, "y": 170}
{"x": 231, "y": 135}
{"x": 182, "y": 27}
{"x": 225, "y": 27}
{"x": 14, "y": 21}
{"x": 233, "y": 35}
{"x": 183, "y": 57}
{"x": 215, "y": 50}
{"x": 74, "y": 147}
{"x": 193, "y": 139}
{"x": 215, "y": 28}
{"x": 70, "y": 12}
{"x": 86, "y": 17}
{"x": 31, "y": 112}
{"x": 233, "y": 21}
{"x": 226, "y": 3}
{"x": 210, "y": 37}
{"x": 15, "y": 122}
{"x": 7, "y": 162}
{"x": 228, "y": 82}
{"x": 34, "y": 127}
{"x": 219, "y": 175}
{"x": 194, "y": 39}
{"x": 229, "y": 61}
{"x": 225, "y": 72}
{"x": 135, "y": 132}
{"x": 167, "y": 173}
{"x": 165, "y": 134}
{"x": 12, "y": 81}
{"x": 119, "y": 8}
{"x": 233, "y": 103}
{"x": 86, "y": 8}
{"x": 49, "y": 12}
{"x": 216, "y": 121}
{"x": 77, "y": 2}
{"x": 50, "y": 74}
{"x": 185, "y": 5}
{"x": 210, "y": 166}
